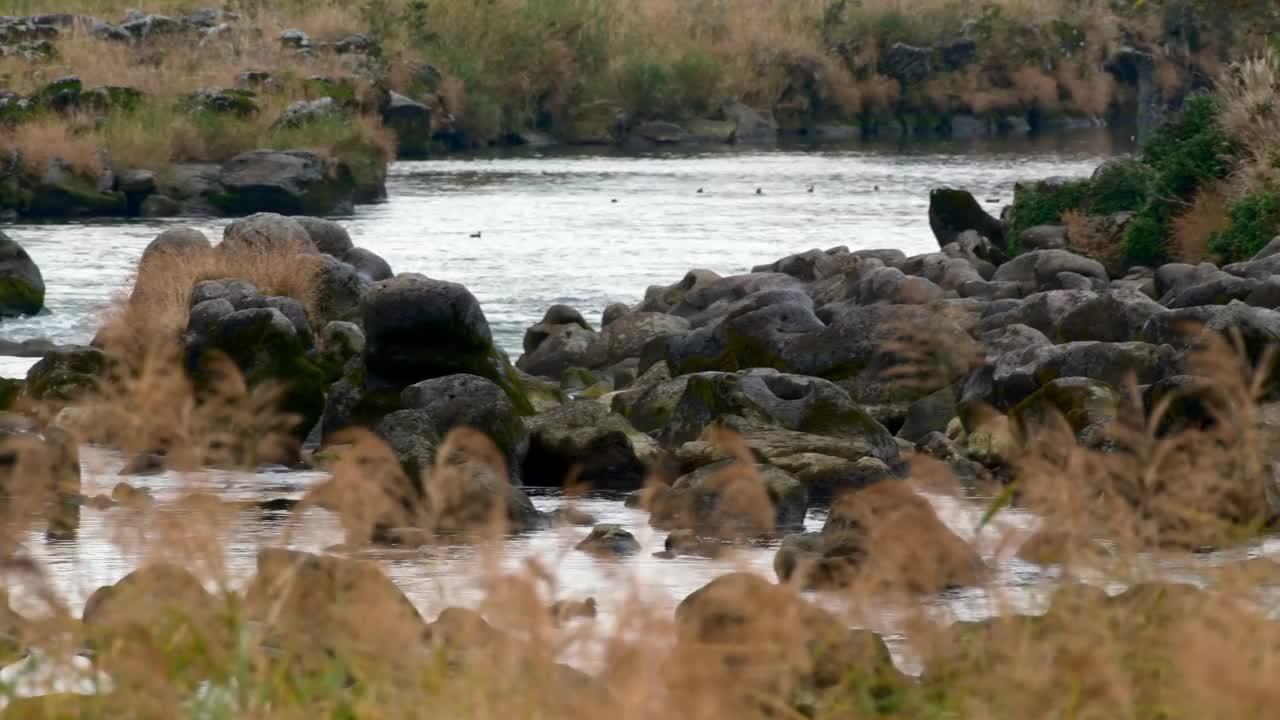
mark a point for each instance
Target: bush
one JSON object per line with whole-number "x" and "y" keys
{"x": 1043, "y": 203}
{"x": 645, "y": 86}
{"x": 1185, "y": 155}
{"x": 1121, "y": 186}
{"x": 1255, "y": 221}
{"x": 695, "y": 78}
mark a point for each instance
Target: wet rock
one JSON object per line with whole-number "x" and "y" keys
{"x": 65, "y": 374}
{"x": 609, "y": 541}
{"x": 582, "y": 443}
{"x": 368, "y": 264}
{"x": 732, "y": 501}
{"x": 21, "y": 284}
{"x": 293, "y": 182}
{"x": 729, "y": 630}
{"x": 398, "y": 316}
{"x": 795, "y": 402}
{"x": 329, "y": 237}
{"x": 469, "y": 401}
{"x": 887, "y": 537}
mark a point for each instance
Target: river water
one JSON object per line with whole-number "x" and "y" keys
{"x": 585, "y": 229}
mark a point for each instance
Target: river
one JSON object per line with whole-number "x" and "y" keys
{"x": 585, "y": 229}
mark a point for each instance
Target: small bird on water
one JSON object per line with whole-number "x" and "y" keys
{"x": 810, "y": 188}
{"x": 475, "y": 234}
{"x": 699, "y": 191}
{"x": 759, "y": 191}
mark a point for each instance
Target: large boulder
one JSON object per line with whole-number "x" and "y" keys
{"x": 624, "y": 338}
{"x": 1114, "y": 316}
{"x": 1020, "y": 373}
{"x": 1039, "y": 269}
{"x": 266, "y": 233}
{"x": 581, "y": 442}
{"x": 746, "y": 639}
{"x": 470, "y": 401}
{"x": 883, "y": 537}
{"x": 329, "y": 237}
{"x": 65, "y": 373}
{"x": 180, "y": 244}
{"x": 664, "y": 299}
{"x": 293, "y": 182}
{"x": 826, "y": 465}
{"x": 339, "y": 288}
{"x": 795, "y": 402}
{"x": 1043, "y": 311}
{"x": 320, "y": 606}
{"x": 21, "y": 284}
{"x": 952, "y": 212}
{"x": 733, "y": 501}
{"x": 417, "y": 328}
{"x": 368, "y": 264}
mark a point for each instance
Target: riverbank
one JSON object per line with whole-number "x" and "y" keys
{"x": 169, "y": 113}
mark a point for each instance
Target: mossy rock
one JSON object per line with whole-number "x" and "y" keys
{"x": 10, "y": 390}
{"x": 65, "y": 374}
{"x": 1081, "y": 402}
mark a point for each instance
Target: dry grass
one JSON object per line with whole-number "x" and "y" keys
{"x": 1190, "y": 231}
{"x": 47, "y": 139}
{"x": 1248, "y": 92}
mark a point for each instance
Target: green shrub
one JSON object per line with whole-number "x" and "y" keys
{"x": 1043, "y": 203}
{"x": 645, "y": 86}
{"x": 1255, "y": 221}
{"x": 1186, "y": 154}
{"x": 695, "y": 78}
{"x": 1144, "y": 241}
{"x": 1121, "y": 186}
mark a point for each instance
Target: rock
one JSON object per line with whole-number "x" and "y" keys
{"x": 178, "y": 243}
{"x": 151, "y": 25}
{"x": 1173, "y": 278}
{"x": 339, "y": 288}
{"x": 951, "y": 212}
{"x": 296, "y": 39}
{"x": 328, "y": 236}
{"x": 929, "y": 414}
{"x": 613, "y": 312}
{"x": 750, "y": 126}
{"x": 908, "y": 64}
{"x": 1177, "y": 327}
{"x": 666, "y": 299}
{"x": 884, "y": 537}
{"x": 266, "y": 233}
{"x": 1079, "y": 401}
{"x": 1219, "y": 289}
{"x": 1043, "y": 237}
{"x": 340, "y": 343}
{"x": 1271, "y": 248}
{"x": 40, "y": 476}
{"x": 401, "y": 313}
{"x": 795, "y": 402}
{"x": 368, "y": 264}
{"x": 826, "y": 465}
{"x": 461, "y": 492}
{"x": 893, "y": 287}
{"x": 65, "y": 373}
{"x": 411, "y": 122}
{"x": 293, "y": 182}
{"x": 1019, "y": 374}
{"x": 609, "y": 541}
{"x": 728, "y": 635}
{"x": 307, "y": 112}
{"x": 158, "y": 605}
{"x": 228, "y": 101}
{"x": 1114, "y": 316}
{"x": 1038, "y": 269}
{"x": 1266, "y": 294}
{"x": 158, "y": 206}
{"x": 660, "y": 133}
{"x": 21, "y": 284}
{"x": 457, "y": 401}
{"x": 316, "y": 607}
{"x": 550, "y": 350}
{"x": 626, "y": 337}
{"x": 649, "y": 406}
{"x": 62, "y": 191}
{"x": 204, "y": 317}
{"x": 582, "y": 443}
{"x": 732, "y": 501}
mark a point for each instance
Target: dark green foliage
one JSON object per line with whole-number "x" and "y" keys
{"x": 1255, "y": 221}
{"x": 1185, "y": 155}
{"x": 1043, "y": 203}
{"x": 1122, "y": 186}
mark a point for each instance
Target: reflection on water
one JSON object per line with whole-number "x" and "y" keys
{"x": 587, "y": 229}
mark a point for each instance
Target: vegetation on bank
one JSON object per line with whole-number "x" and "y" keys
{"x": 1206, "y": 185}
{"x": 499, "y": 70}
